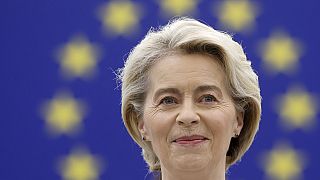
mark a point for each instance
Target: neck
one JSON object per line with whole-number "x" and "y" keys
{"x": 210, "y": 173}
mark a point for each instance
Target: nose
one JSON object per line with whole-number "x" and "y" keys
{"x": 187, "y": 115}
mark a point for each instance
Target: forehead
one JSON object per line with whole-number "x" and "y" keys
{"x": 190, "y": 70}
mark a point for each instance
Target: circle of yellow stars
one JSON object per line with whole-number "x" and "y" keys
{"x": 64, "y": 114}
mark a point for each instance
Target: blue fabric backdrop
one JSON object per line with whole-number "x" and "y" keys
{"x": 60, "y": 105}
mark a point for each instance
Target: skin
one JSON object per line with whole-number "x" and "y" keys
{"x": 187, "y": 96}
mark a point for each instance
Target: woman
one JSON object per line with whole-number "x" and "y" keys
{"x": 190, "y": 100}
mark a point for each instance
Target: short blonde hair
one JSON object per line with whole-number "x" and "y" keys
{"x": 189, "y": 36}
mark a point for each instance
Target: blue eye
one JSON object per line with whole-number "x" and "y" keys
{"x": 168, "y": 100}
{"x": 208, "y": 98}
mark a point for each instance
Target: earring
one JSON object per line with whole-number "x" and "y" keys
{"x": 236, "y": 135}
{"x": 143, "y": 138}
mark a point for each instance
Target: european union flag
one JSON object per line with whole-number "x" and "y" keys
{"x": 60, "y": 105}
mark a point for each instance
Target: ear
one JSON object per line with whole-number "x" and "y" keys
{"x": 142, "y": 129}
{"x": 239, "y": 122}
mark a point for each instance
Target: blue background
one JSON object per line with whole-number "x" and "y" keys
{"x": 31, "y": 31}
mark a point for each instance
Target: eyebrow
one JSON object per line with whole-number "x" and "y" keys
{"x": 166, "y": 90}
{"x": 199, "y": 89}
{"x": 209, "y": 88}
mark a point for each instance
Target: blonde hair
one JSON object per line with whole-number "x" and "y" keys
{"x": 189, "y": 36}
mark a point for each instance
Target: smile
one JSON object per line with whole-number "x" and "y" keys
{"x": 190, "y": 140}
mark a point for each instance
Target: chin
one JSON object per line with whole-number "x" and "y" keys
{"x": 190, "y": 162}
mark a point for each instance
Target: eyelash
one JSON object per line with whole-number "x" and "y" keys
{"x": 173, "y": 100}
{"x": 214, "y": 99}
{"x": 162, "y": 101}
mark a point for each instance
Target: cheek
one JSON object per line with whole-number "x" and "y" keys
{"x": 159, "y": 125}
{"x": 220, "y": 125}
{"x": 218, "y": 121}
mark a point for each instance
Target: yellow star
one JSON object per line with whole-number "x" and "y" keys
{"x": 63, "y": 114}
{"x": 80, "y": 165}
{"x": 78, "y": 58}
{"x": 119, "y": 17}
{"x": 280, "y": 52}
{"x": 178, "y": 7}
{"x": 237, "y": 15}
{"x": 283, "y": 163}
{"x": 297, "y": 109}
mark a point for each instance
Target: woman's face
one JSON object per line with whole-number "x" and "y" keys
{"x": 189, "y": 117}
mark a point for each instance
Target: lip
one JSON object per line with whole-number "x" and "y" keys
{"x": 190, "y": 140}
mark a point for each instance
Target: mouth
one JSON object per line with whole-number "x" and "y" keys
{"x": 190, "y": 140}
